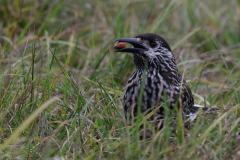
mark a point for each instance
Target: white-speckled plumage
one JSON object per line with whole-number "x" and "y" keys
{"x": 161, "y": 76}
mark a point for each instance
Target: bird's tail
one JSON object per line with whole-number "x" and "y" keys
{"x": 195, "y": 111}
{"x": 205, "y": 109}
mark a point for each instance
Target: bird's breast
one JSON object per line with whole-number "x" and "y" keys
{"x": 152, "y": 91}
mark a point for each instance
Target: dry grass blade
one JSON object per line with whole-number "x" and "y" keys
{"x": 27, "y": 122}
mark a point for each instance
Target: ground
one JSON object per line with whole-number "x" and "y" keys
{"x": 62, "y": 84}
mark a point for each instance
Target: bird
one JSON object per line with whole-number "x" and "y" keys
{"x": 156, "y": 77}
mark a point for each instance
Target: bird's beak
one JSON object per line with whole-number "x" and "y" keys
{"x": 138, "y": 47}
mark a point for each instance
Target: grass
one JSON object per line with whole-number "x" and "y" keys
{"x": 62, "y": 84}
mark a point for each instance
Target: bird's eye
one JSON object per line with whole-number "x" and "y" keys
{"x": 153, "y": 44}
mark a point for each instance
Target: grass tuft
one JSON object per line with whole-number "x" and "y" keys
{"x": 63, "y": 49}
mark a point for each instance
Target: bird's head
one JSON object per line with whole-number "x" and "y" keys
{"x": 148, "y": 46}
